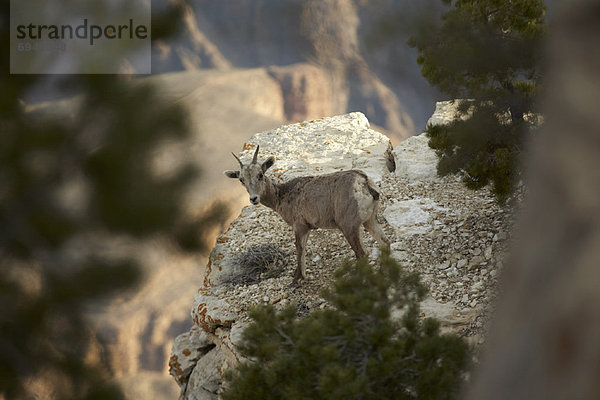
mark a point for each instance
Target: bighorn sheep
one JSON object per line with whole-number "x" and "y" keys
{"x": 344, "y": 200}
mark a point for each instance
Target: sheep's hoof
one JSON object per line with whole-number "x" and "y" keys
{"x": 294, "y": 285}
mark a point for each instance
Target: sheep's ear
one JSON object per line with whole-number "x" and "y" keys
{"x": 268, "y": 163}
{"x": 232, "y": 174}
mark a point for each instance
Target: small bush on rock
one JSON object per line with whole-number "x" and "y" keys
{"x": 264, "y": 260}
{"x": 370, "y": 344}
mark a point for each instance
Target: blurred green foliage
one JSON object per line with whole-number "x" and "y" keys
{"x": 488, "y": 54}
{"x": 72, "y": 174}
{"x": 355, "y": 349}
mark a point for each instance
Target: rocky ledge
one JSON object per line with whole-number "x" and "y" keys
{"x": 456, "y": 239}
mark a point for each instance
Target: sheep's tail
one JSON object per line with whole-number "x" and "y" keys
{"x": 373, "y": 192}
{"x": 376, "y": 196}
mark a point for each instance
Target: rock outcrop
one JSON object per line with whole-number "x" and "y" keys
{"x": 454, "y": 237}
{"x": 138, "y": 328}
{"x": 191, "y": 50}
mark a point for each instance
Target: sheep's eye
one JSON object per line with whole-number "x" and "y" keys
{"x": 260, "y": 176}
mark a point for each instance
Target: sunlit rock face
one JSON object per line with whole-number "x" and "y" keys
{"x": 415, "y": 160}
{"x": 324, "y": 145}
{"x": 445, "y": 112}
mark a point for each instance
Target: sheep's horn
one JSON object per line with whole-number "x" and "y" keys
{"x": 238, "y": 160}
{"x": 255, "y": 155}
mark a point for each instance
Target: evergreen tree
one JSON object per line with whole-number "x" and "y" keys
{"x": 487, "y": 53}
{"x": 63, "y": 179}
{"x": 354, "y": 350}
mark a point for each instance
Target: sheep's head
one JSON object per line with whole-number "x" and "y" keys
{"x": 252, "y": 176}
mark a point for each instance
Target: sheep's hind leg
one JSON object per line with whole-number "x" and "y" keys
{"x": 301, "y": 233}
{"x": 374, "y": 229}
{"x": 352, "y": 235}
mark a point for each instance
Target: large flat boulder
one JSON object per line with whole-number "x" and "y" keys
{"x": 322, "y": 146}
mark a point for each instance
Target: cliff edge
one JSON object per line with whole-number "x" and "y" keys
{"x": 454, "y": 237}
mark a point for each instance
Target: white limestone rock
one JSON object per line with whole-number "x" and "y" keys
{"x": 200, "y": 358}
{"x": 415, "y": 160}
{"x": 210, "y": 312}
{"x": 446, "y": 313}
{"x": 188, "y": 348}
{"x": 205, "y": 380}
{"x": 445, "y": 112}
{"x": 412, "y": 217}
{"x": 222, "y": 266}
{"x": 413, "y": 157}
{"x": 322, "y": 146}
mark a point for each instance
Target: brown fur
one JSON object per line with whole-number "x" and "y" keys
{"x": 329, "y": 201}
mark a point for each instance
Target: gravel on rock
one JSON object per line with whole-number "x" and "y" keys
{"x": 458, "y": 250}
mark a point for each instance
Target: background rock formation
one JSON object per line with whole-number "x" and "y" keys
{"x": 330, "y": 35}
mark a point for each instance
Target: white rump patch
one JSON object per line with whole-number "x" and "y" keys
{"x": 366, "y": 203}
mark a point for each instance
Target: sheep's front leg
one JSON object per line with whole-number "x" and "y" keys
{"x": 301, "y": 232}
